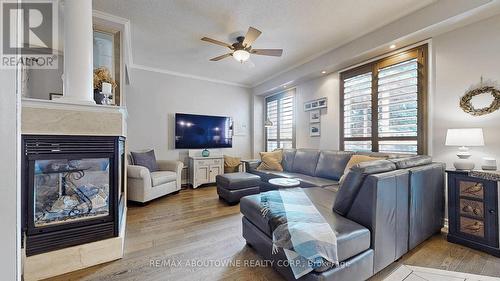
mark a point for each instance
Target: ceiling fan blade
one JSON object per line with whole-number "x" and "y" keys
{"x": 251, "y": 35}
{"x": 213, "y": 41}
{"x": 221, "y": 57}
{"x": 268, "y": 52}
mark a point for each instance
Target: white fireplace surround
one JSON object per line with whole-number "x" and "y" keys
{"x": 43, "y": 117}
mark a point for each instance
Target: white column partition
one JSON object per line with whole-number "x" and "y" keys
{"x": 78, "y": 57}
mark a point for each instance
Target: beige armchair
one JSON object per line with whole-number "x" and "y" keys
{"x": 143, "y": 186}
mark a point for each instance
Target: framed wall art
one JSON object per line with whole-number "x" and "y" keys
{"x": 315, "y": 116}
{"x": 315, "y": 130}
{"x": 315, "y": 104}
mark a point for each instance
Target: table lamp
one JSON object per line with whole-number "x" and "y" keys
{"x": 464, "y": 138}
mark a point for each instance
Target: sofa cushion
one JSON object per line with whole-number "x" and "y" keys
{"x": 331, "y": 164}
{"x": 349, "y": 188}
{"x": 356, "y": 159}
{"x": 307, "y": 181}
{"x": 271, "y": 160}
{"x": 161, "y": 177}
{"x": 305, "y": 161}
{"x": 352, "y": 238}
{"x": 310, "y": 181}
{"x": 146, "y": 159}
{"x": 408, "y": 162}
{"x": 288, "y": 157}
{"x": 374, "y": 167}
{"x": 383, "y": 154}
{"x": 274, "y": 174}
{"x": 235, "y": 181}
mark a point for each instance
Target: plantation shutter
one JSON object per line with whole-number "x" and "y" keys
{"x": 398, "y": 107}
{"x": 383, "y": 105}
{"x": 280, "y": 111}
{"x": 358, "y": 112}
{"x": 272, "y": 132}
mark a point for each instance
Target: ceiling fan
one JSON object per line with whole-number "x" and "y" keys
{"x": 242, "y": 49}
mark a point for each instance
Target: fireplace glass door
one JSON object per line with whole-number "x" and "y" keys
{"x": 67, "y": 190}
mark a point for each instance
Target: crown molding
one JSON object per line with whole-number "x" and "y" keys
{"x": 109, "y": 17}
{"x": 186, "y": 75}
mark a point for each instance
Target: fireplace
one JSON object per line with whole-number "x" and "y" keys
{"x": 72, "y": 190}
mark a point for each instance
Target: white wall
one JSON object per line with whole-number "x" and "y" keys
{"x": 461, "y": 57}
{"x": 153, "y": 98}
{"x": 327, "y": 86}
{"x": 9, "y": 173}
{"x": 258, "y": 136}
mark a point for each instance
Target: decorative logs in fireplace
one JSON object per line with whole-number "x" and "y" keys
{"x": 71, "y": 190}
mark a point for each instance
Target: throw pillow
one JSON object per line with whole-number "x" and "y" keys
{"x": 271, "y": 161}
{"x": 231, "y": 164}
{"x": 146, "y": 159}
{"x": 356, "y": 159}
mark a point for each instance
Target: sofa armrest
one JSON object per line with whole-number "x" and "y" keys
{"x": 138, "y": 183}
{"x": 427, "y": 202}
{"x": 173, "y": 166}
{"x": 381, "y": 205}
{"x": 137, "y": 172}
{"x": 170, "y": 165}
{"x": 252, "y": 165}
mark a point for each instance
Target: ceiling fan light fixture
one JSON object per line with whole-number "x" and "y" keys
{"x": 242, "y": 49}
{"x": 241, "y": 55}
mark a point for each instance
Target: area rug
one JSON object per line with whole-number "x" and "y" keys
{"x": 416, "y": 273}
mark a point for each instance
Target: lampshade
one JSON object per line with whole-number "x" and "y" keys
{"x": 241, "y": 55}
{"x": 465, "y": 137}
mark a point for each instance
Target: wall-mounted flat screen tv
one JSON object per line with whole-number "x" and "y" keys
{"x": 202, "y": 131}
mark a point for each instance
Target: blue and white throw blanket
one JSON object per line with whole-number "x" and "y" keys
{"x": 299, "y": 229}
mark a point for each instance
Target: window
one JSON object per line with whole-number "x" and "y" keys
{"x": 280, "y": 110}
{"x": 107, "y": 54}
{"x": 383, "y": 104}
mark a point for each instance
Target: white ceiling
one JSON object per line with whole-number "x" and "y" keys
{"x": 166, "y": 34}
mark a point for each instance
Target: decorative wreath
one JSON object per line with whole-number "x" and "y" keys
{"x": 466, "y": 105}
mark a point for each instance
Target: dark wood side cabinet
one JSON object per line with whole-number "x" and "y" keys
{"x": 473, "y": 210}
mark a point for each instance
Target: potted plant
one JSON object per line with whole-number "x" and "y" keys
{"x": 102, "y": 75}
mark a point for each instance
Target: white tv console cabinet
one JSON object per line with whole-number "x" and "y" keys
{"x": 203, "y": 170}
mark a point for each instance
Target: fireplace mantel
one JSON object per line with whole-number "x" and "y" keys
{"x": 61, "y": 118}
{"x": 55, "y": 104}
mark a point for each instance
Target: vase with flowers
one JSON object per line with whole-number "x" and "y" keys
{"x": 103, "y": 85}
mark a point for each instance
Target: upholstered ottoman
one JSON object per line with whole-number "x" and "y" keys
{"x": 231, "y": 187}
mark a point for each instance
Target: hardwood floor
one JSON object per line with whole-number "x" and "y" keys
{"x": 195, "y": 227}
